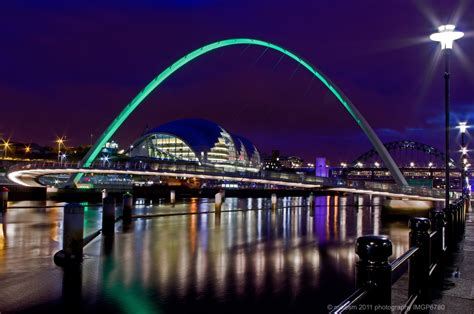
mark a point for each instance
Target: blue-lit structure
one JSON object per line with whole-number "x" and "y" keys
{"x": 197, "y": 141}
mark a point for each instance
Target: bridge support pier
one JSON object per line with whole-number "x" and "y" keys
{"x": 73, "y": 233}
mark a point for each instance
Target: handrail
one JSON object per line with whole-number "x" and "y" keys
{"x": 409, "y": 304}
{"x": 396, "y": 264}
{"x": 354, "y": 298}
{"x": 424, "y": 257}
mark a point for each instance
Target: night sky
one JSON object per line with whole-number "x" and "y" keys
{"x": 69, "y": 67}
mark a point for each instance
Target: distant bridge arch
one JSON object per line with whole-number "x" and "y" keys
{"x": 396, "y": 148}
{"x": 355, "y": 114}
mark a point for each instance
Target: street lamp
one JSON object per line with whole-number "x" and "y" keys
{"x": 60, "y": 141}
{"x": 446, "y": 36}
{"x": 463, "y": 128}
{"x": 6, "y": 145}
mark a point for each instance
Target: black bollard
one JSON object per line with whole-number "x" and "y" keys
{"x": 449, "y": 234}
{"x": 4, "y": 199}
{"x": 419, "y": 264}
{"x": 373, "y": 270}
{"x": 438, "y": 222}
{"x": 73, "y": 235}
{"x": 455, "y": 209}
{"x": 172, "y": 197}
{"x": 218, "y": 202}
{"x": 127, "y": 207}
{"x": 108, "y": 216}
{"x": 456, "y": 221}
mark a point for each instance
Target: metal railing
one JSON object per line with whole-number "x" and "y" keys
{"x": 188, "y": 169}
{"x": 195, "y": 169}
{"x": 393, "y": 188}
{"x": 430, "y": 240}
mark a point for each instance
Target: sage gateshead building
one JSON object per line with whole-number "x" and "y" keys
{"x": 197, "y": 141}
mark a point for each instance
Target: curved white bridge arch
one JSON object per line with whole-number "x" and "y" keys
{"x": 355, "y": 114}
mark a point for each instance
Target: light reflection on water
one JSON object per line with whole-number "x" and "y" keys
{"x": 291, "y": 259}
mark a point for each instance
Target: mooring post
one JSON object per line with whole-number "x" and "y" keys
{"x": 218, "y": 201}
{"x": 108, "y": 216}
{"x": 4, "y": 200}
{"x": 73, "y": 236}
{"x": 172, "y": 197}
{"x": 127, "y": 207}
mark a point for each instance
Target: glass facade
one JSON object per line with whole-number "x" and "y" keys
{"x": 203, "y": 143}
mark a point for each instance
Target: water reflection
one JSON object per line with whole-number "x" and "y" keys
{"x": 297, "y": 258}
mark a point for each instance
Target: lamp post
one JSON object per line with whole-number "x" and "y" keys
{"x": 446, "y": 35}
{"x": 463, "y": 128}
{"x": 59, "y": 140}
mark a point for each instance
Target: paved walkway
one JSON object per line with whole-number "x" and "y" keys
{"x": 457, "y": 294}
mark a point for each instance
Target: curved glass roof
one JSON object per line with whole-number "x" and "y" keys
{"x": 248, "y": 145}
{"x": 200, "y": 134}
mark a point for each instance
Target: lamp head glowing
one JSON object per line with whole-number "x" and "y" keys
{"x": 463, "y": 127}
{"x": 446, "y": 35}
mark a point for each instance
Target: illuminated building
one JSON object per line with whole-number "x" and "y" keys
{"x": 197, "y": 141}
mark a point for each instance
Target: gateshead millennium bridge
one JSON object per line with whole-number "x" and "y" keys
{"x": 29, "y": 175}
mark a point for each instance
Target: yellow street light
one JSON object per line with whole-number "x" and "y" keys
{"x": 6, "y": 146}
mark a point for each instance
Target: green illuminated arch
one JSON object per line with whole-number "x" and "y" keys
{"x": 355, "y": 114}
